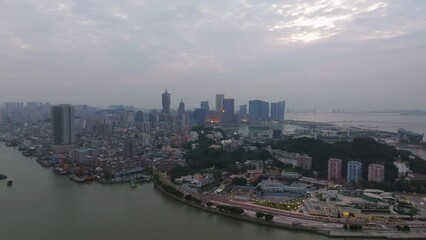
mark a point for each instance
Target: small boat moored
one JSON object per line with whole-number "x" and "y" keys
{"x": 9, "y": 182}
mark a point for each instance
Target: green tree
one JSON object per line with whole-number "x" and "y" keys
{"x": 269, "y": 217}
{"x": 239, "y": 181}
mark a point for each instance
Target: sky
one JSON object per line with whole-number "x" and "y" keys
{"x": 345, "y": 54}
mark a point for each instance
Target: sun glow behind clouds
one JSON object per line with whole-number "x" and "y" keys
{"x": 316, "y": 20}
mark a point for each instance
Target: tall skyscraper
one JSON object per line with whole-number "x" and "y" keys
{"x": 354, "y": 174}
{"x": 219, "y": 102}
{"x": 243, "y": 110}
{"x": 376, "y": 173}
{"x": 258, "y": 111}
{"x": 205, "y": 105}
{"x": 166, "y": 100}
{"x": 181, "y": 108}
{"x": 274, "y": 111}
{"x": 139, "y": 116}
{"x": 63, "y": 128}
{"x": 199, "y": 116}
{"x": 334, "y": 170}
{"x": 277, "y": 111}
{"x": 130, "y": 148}
{"x": 228, "y": 111}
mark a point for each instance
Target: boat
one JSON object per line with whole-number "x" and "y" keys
{"x": 2, "y": 176}
{"x": 9, "y": 182}
{"x": 76, "y": 178}
{"x": 60, "y": 171}
{"x": 11, "y": 144}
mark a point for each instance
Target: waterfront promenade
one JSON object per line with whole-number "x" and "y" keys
{"x": 331, "y": 227}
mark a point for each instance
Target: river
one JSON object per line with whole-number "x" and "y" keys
{"x": 43, "y": 205}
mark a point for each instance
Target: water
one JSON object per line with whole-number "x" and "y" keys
{"x": 377, "y": 121}
{"x": 389, "y": 122}
{"x": 42, "y": 205}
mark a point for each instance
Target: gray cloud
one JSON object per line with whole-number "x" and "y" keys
{"x": 322, "y": 53}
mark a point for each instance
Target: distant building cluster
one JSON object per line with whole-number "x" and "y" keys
{"x": 376, "y": 172}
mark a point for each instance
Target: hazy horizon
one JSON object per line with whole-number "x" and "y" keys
{"x": 324, "y": 54}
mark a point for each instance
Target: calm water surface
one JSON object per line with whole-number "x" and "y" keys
{"x": 389, "y": 122}
{"x": 42, "y": 205}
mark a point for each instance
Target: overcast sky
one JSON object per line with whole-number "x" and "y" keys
{"x": 313, "y": 53}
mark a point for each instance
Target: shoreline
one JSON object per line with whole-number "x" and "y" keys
{"x": 328, "y": 233}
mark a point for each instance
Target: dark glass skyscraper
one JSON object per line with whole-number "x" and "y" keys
{"x": 181, "y": 108}
{"x": 63, "y": 125}
{"x": 139, "y": 116}
{"x": 277, "y": 111}
{"x": 258, "y": 111}
{"x": 199, "y": 116}
{"x": 166, "y": 100}
{"x": 219, "y": 102}
{"x": 205, "y": 105}
{"x": 281, "y": 110}
{"x": 243, "y": 109}
{"x": 228, "y": 111}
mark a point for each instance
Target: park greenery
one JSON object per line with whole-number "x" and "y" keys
{"x": 239, "y": 181}
{"x": 230, "y": 209}
{"x": 190, "y": 198}
{"x": 353, "y": 227}
{"x": 365, "y": 150}
{"x": 169, "y": 189}
{"x": 267, "y": 216}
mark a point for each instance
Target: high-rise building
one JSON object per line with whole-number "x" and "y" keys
{"x": 277, "y": 111}
{"x": 205, "y": 105}
{"x": 199, "y": 116}
{"x": 130, "y": 148}
{"x": 274, "y": 111}
{"x": 139, "y": 116}
{"x": 281, "y": 110}
{"x": 258, "y": 111}
{"x": 228, "y": 111}
{"x": 166, "y": 101}
{"x": 243, "y": 110}
{"x": 376, "y": 173}
{"x": 219, "y": 102}
{"x": 354, "y": 174}
{"x": 153, "y": 118}
{"x": 181, "y": 108}
{"x": 334, "y": 170}
{"x": 63, "y": 128}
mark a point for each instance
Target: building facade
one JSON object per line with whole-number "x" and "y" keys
{"x": 219, "y": 102}
{"x": 63, "y": 129}
{"x": 166, "y": 101}
{"x": 205, "y": 105}
{"x": 376, "y": 173}
{"x": 334, "y": 170}
{"x": 354, "y": 174}
{"x": 199, "y": 116}
{"x": 258, "y": 111}
{"x": 228, "y": 111}
{"x": 181, "y": 108}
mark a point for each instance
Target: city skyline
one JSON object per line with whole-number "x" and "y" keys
{"x": 315, "y": 54}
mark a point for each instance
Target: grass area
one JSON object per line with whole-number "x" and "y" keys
{"x": 291, "y": 205}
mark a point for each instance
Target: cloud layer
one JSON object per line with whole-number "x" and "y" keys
{"x": 312, "y": 53}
